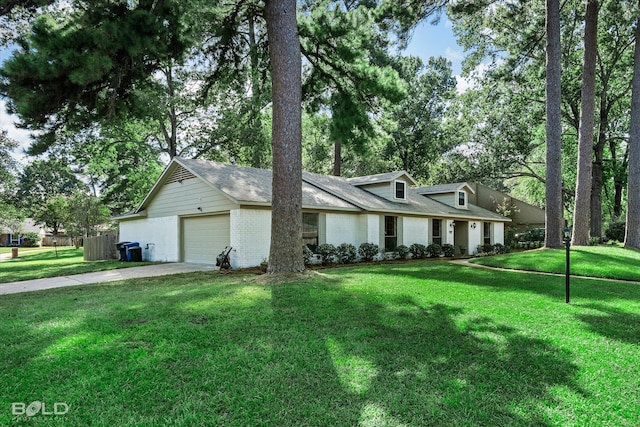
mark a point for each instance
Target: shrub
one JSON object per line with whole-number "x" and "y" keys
{"x": 448, "y": 250}
{"x": 368, "y": 251}
{"x": 499, "y": 248}
{"x": 434, "y": 250}
{"x": 487, "y": 248}
{"x": 418, "y": 251}
{"x": 30, "y": 239}
{"x": 615, "y": 231}
{"x": 307, "y": 254}
{"x": 346, "y": 253}
{"x": 510, "y": 237}
{"x": 327, "y": 251}
{"x": 594, "y": 241}
{"x": 402, "y": 251}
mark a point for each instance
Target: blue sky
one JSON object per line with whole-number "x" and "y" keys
{"x": 436, "y": 40}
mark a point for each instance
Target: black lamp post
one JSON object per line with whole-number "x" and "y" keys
{"x": 55, "y": 246}
{"x": 567, "y": 269}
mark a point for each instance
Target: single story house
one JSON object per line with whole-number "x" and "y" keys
{"x": 9, "y": 238}
{"x": 197, "y": 208}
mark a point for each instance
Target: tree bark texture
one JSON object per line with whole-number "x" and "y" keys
{"x": 582, "y": 209}
{"x": 632, "y": 234}
{"x": 597, "y": 177}
{"x": 286, "y": 67}
{"x": 553, "y": 185}
{"x": 337, "y": 159}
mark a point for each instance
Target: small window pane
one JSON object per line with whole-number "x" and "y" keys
{"x": 390, "y": 233}
{"x": 310, "y": 230}
{"x": 400, "y": 190}
{"x": 437, "y": 227}
{"x": 487, "y": 232}
{"x": 461, "y": 198}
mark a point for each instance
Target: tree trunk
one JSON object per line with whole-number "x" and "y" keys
{"x": 632, "y": 234}
{"x": 553, "y": 185}
{"x": 582, "y": 209}
{"x": 597, "y": 182}
{"x": 286, "y": 68}
{"x": 337, "y": 159}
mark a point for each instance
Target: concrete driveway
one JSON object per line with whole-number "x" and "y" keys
{"x": 102, "y": 276}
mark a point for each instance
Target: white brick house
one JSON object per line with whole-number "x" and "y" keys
{"x": 198, "y": 207}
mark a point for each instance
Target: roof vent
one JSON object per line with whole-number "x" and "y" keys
{"x": 179, "y": 175}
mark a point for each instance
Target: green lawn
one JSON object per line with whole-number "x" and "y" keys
{"x": 21, "y": 250}
{"x": 416, "y": 344}
{"x": 38, "y": 264}
{"x": 594, "y": 261}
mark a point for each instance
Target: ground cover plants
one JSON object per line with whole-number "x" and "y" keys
{"x": 413, "y": 344}
{"x": 38, "y": 264}
{"x": 595, "y": 261}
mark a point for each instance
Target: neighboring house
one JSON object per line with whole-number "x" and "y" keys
{"x": 198, "y": 207}
{"x": 7, "y": 238}
{"x": 525, "y": 215}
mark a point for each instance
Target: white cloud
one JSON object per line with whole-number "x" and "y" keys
{"x": 453, "y": 55}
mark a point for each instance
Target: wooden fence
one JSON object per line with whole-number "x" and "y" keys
{"x": 100, "y": 247}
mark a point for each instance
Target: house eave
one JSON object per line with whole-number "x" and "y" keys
{"x": 130, "y": 215}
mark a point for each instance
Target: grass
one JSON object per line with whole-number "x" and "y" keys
{"x": 7, "y": 249}
{"x": 39, "y": 264}
{"x": 593, "y": 261}
{"x": 411, "y": 344}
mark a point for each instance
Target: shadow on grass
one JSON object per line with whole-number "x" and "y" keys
{"x": 507, "y": 281}
{"x": 613, "y": 323}
{"x": 197, "y": 350}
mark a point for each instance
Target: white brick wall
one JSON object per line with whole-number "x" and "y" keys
{"x": 475, "y": 237}
{"x": 369, "y": 229}
{"x": 343, "y": 228}
{"x": 498, "y": 232}
{"x": 447, "y": 233}
{"x": 160, "y": 234}
{"x": 250, "y": 236}
{"x": 415, "y": 230}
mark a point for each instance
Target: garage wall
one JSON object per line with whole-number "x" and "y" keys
{"x": 204, "y": 238}
{"x": 158, "y": 237}
{"x": 184, "y": 198}
{"x": 250, "y": 236}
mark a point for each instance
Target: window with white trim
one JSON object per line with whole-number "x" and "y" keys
{"x": 462, "y": 198}
{"x": 310, "y": 230}
{"x": 400, "y": 190}
{"x": 436, "y": 226}
{"x": 390, "y": 233}
{"x": 486, "y": 233}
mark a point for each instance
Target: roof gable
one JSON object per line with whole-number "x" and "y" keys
{"x": 445, "y": 188}
{"x": 382, "y": 178}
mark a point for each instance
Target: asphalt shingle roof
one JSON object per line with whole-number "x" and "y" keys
{"x": 252, "y": 185}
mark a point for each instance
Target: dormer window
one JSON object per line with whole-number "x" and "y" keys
{"x": 462, "y": 199}
{"x": 400, "y": 190}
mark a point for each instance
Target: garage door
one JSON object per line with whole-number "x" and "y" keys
{"x": 204, "y": 237}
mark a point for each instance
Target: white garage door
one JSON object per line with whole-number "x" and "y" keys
{"x": 204, "y": 237}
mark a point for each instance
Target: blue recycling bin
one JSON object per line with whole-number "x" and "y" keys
{"x": 128, "y": 248}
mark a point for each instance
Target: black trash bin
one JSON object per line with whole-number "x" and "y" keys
{"x": 135, "y": 254}
{"x": 121, "y": 247}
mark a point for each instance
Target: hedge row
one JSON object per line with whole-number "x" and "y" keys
{"x": 346, "y": 253}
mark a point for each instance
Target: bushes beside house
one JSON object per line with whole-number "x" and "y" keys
{"x": 346, "y": 253}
